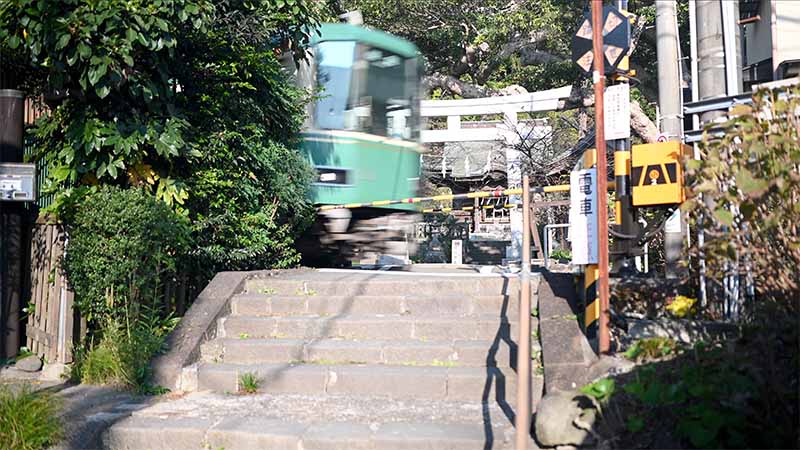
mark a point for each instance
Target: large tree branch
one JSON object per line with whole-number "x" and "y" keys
{"x": 640, "y": 123}
{"x": 453, "y": 85}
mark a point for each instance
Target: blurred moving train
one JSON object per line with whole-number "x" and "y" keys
{"x": 362, "y": 137}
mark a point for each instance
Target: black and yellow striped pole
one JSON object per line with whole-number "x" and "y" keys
{"x": 625, "y": 225}
{"x": 591, "y": 272}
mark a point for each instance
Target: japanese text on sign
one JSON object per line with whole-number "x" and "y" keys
{"x": 617, "y": 109}
{"x": 583, "y": 216}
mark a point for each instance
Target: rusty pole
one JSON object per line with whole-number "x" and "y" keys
{"x": 602, "y": 180}
{"x": 523, "y": 417}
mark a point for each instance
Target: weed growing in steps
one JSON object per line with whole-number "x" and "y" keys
{"x": 249, "y": 383}
{"x": 267, "y": 291}
{"x": 305, "y": 292}
{"x": 28, "y": 419}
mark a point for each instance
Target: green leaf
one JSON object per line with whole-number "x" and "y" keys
{"x": 600, "y": 389}
{"x": 94, "y": 76}
{"x": 13, "y": 42}
{"x": 635, "y": 424}
{"x": 72, "y": 59}
{"x": 653, "y": 394}
{"x": 63, "y": 41}
{"x": 84, "y": 50}
{"x": 724, "y": 216}
{"x": 128, "y": 60}
{"x": 102, "y": 91}
{"x": 748, "y": 184}
{"x": 635, "y": 389}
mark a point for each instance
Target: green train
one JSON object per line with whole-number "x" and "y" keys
{"x": 362, "y": 137}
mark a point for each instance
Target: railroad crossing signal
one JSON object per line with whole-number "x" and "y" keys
{"x": 616, "y": 40}
{"x": 657, "y": 174}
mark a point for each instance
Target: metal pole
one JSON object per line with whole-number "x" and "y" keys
{"x": 710, "y": 54}
{"x": 622, "y": 261}
{"x": 696, "y": 126}
{"x": 523, "y": 417}
{"x": 602, "y": 177}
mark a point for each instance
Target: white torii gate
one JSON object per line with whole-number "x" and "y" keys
{"x": 508, "y": 132}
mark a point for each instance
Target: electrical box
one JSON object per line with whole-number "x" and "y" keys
{"x": 657, "y": 173}
{"x": 17, "y": 182}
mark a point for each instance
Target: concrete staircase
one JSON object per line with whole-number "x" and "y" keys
{"x": 366, "y": 360}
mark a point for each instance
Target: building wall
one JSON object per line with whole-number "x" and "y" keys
{"x": 788, "y": 30}
{"x": 758, "y": 36}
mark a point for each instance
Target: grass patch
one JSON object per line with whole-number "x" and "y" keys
{"x": 121, "y": 355}
{"x": 249, "y": 383}
{"x": 28, "y": 419}
{"x": 267, "y": 291}
{"x": 244, "y": 336}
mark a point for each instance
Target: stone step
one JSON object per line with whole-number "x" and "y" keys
{"x": 472, "y": 384}
{"x": 254, "y": 422}
{"x": 386, "y": 327}
{"x": 336, "y": 351}
{"x": 256, "y": 304}
{"x": 366, "y": 284}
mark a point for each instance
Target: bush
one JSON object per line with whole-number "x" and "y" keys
{"x": 750, "y": 188}
{"x": 122, "y": 243}
{"x": 28, "y": 419}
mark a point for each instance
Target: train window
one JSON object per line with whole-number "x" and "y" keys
{"x": 366, "y": 89}
{"x": 334, "y": 78}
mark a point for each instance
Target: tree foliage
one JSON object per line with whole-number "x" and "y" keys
{"x": 183, "y": 98}
{"x": 746, "y": 190}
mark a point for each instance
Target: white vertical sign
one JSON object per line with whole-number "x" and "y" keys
{"x": 457, "y": 247}
{"x": 583, "y": 216}
{"x": 617, "y": 109}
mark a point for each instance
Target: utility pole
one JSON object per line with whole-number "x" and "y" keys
{"x": 599, "y": 79}
{"x": 670, "y": 104}
{"x": 719, "y": 75}
{"x": 713, "y": 76}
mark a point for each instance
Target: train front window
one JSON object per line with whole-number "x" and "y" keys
{"x": 334, "y": 80}
{"x": 366, "y": 89}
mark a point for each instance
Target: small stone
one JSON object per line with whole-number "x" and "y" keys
{"x": 556, "y": 416}
{"x": 30, "y": 363}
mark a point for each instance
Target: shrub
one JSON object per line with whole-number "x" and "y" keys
{"x": 122, "y": 242}
{"x": 750, "y": 188}
{"x": 28, "y": 419}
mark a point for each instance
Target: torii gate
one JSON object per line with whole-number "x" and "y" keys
{"x": 508, "y": 132}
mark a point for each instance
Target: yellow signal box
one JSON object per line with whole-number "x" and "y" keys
{"x": 657, "y": 174}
